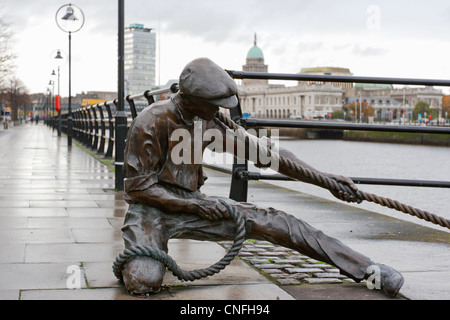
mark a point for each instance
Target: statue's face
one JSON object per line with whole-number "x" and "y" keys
{"x": 201, "y": 108}
{"x": 206, "y": 112}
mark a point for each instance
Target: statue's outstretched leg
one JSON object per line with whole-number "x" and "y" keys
{"x": 151, "y": 227}
{"x": 286, "y": 230}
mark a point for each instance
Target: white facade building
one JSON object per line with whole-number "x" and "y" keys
{"x": 393, "y": 103}
{"x": 260, "y": 99}
{"x": 281, "y": 102}
{"x": 139, "y": 59}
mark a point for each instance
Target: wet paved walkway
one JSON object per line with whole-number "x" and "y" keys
{"x": 60, "y": 223}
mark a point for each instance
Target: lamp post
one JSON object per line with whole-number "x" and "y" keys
{"x": 120, "y": 117}
{"x": 70, "y": 19}
{"x": 52, "y": 104}
{"x": 59, "y": 59}
{"x": 47, "y": 106}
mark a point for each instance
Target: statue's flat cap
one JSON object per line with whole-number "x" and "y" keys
{"x": 202, "y": 78}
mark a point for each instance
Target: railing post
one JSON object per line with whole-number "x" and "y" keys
{"x": 95, "y": 143}
{"x": 101, "y": 147}
{"x": 132, "y": 107}
{"x": 80, "y": 125}
{"x": 85, "y": 128}
{"x": 77, "y": 125}
{"x": 89, "y": 128}
{"x": 239, "y": 187}
{"x": 74, "y": 124}
{"x": 109, "y": 151}
{"x": 149, "y": 97}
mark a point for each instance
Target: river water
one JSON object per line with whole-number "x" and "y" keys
{"x": 378, "y": 160}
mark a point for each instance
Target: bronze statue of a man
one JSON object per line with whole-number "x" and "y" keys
{"x": 165, "y": 200}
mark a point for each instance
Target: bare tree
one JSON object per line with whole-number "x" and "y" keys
{"x": 7, "y": 57}
{"x": 18, "y": 97}
{"x": 13, "y": 93}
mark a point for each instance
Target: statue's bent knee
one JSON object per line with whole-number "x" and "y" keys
{"x": 143, "y": 275}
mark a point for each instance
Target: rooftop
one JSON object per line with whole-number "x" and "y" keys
{"x": 325, "y": 70}
{"x": 374, "y": 85}
{"x": 138, "y": 27}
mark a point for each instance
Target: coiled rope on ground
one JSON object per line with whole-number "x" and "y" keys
{"x": 181, "y": 274}
{"x": 331, "y": 184}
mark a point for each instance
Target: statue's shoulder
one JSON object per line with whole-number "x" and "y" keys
{"x": 158, "y": 108}
{"x": 156, "y": 112}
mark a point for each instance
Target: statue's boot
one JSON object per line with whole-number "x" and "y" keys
{"x": 390, "y": 280}
{"x": 143, "y": 275}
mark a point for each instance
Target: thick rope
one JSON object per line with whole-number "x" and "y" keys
{"x": 165, "y": 259}
{"x": 328, "y": 183}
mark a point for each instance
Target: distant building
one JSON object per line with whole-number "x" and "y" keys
{"x": 384, "y": 109}
{"x": 139, "y": 59}
{"x": 255, "y": 63}
{"x": 392, "y": 103}
{"x": 446, "y": 106}
{"x": 260, "y": 99}
{"x": 329, "y": 71}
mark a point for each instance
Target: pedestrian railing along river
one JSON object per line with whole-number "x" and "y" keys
{"x": 94, "y": 126}
{"x": 240, "y": 173}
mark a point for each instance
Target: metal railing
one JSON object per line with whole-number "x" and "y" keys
{"x": 240, "y": 173}
{"x": 94, "y": 126}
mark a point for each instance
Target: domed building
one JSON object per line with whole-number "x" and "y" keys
{"x": 316, "y": 99}
{"x": 254, "y": 63}
{"x": 263, "y": 100}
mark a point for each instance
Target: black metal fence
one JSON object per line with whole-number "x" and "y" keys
{"x": 94, "y": 126}
{"x": 240, "y": 173}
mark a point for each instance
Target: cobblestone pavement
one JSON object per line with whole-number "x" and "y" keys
{"x": 285, "y": 266}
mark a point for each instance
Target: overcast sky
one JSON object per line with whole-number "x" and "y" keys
{"x": 372, "y": 38}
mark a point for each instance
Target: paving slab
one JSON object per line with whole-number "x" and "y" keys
{"x": 38, "y": 276}
{"x": 335, "y": 292}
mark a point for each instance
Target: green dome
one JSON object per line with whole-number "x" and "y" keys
{"x": 255, "y": 52}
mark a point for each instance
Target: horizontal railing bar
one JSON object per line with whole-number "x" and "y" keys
{"x": 402, "y": 182}
{"x": 371, "y": 181}
{"x": 329, "y": 78}
{"x": 247, "y": 175}
{"x": 151, "y": 93}
{"x": 250, "y": 122}
{"x": 137, "y": 96}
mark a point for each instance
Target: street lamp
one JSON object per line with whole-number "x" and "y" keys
{"x": 47, "y": 105}
{"x": 59, "y": 59}
{"x": 120, "y": 117}
{"x": 52, "y": 105}
{"x": 70, "y": 19}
